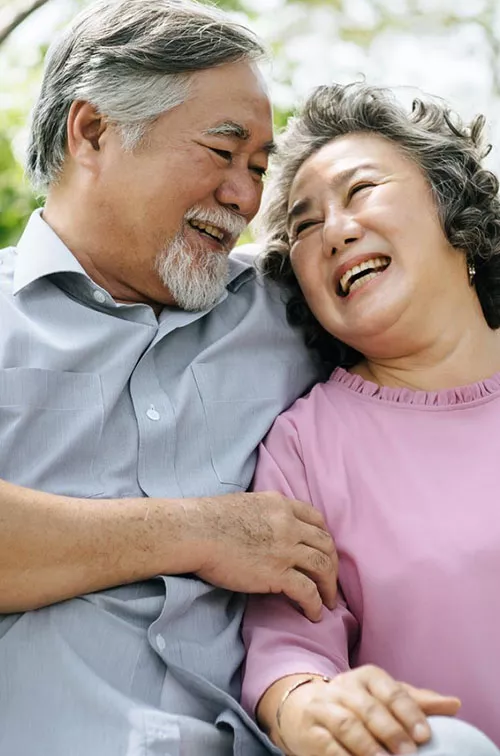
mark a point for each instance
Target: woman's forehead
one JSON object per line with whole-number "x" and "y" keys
{"x": 343, "y": 157}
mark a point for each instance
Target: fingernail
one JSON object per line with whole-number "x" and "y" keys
{"x": 421, "y": 731}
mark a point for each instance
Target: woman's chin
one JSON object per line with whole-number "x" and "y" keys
{"x": 373, "y": 330}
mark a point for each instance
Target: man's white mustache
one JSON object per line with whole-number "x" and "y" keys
{"x": 229, "y": 222}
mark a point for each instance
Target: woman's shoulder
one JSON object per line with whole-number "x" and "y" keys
{"x": 320, "y": 406}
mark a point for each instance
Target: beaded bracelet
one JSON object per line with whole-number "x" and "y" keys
{"x": 288, "y": 693}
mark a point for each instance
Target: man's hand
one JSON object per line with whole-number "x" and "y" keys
{"x": 265, "y": 543}
{"x": 53, "y": 548}
{"x": 364, "y": 712}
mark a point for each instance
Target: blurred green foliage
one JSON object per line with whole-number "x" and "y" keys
{"x": 16, "y": 199}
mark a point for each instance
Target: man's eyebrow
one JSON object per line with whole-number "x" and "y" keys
{"x": 229, "y": 129}
{"x": 304, "y": 205}
{"x": 235, "y": 130}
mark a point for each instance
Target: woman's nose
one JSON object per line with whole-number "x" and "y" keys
{"x": 339, "y": 231}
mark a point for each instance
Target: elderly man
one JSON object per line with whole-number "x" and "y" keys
{"x": 139, "y": 368}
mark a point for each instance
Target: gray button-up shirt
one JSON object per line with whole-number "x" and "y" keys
{"x": 100, "y": 399}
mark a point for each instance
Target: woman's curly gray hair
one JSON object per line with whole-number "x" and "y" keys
{"x": 446, "y": 150}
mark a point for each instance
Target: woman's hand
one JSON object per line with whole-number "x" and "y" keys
{"x": 364, "y": 712}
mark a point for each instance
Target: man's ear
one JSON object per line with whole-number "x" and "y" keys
{"x": 85, "y": 129}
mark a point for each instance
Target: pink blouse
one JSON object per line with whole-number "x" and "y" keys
{"x": 408, "y": 483}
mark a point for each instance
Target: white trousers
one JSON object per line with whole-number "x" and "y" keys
{"x": 452, "y": 737}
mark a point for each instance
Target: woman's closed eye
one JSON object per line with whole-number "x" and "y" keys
{"x": 359, "y": 187}
{"x": 303, "y": 226}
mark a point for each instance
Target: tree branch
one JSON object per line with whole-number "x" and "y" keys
{"x": 6, "y": 28}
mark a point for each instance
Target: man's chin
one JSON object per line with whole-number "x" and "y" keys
{"x": 197, "y": 279}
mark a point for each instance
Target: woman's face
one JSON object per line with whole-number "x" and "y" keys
{"x": 366, "y": 243}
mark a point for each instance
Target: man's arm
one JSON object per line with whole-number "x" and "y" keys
{"x": 55, "y": 547}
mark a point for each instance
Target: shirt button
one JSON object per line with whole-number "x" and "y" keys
{"x": 152, "y": 413}
{"x": 99, "y": 296}
{"x": 160, "y": 642}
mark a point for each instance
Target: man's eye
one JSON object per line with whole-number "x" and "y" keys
{"x": 259, "y": 170}
{"x": 224, "y": 154}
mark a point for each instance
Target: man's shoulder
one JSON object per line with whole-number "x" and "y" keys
{"x": 247, "y": 254}
{"x": 7, "y": 268}
{"x": 263, "y": 304}
{"x": 247, "y": 258}
{"x": 264, "y": 297}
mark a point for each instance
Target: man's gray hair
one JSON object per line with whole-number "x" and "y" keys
{"x": 132, "y": 60}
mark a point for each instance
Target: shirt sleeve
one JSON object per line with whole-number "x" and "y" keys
{"x": 279, "y": 639}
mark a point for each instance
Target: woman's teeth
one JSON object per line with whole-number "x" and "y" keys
{"x": 359, "y": 274}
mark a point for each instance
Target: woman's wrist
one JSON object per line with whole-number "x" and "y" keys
{"x": 273, "y": 704}
{"x": 284, "y": 699}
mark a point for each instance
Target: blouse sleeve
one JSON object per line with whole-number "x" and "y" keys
{"x": 279, "y": 639}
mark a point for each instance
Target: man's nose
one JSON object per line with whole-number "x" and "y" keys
{"x": 339, "y": 231}
{"x": 241, "y": 193}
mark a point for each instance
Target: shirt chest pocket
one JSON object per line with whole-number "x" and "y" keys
{"x": 50, "y": 426}
{"x": 240, "y": 403}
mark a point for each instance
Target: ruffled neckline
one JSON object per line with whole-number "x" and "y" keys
{"x": 442, "y": 398}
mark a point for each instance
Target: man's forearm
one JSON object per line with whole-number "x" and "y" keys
{"x": 55, "y": 547}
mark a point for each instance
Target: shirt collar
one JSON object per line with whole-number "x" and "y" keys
{"x": 240, "y": 271}
{"x": 41, "y": 253}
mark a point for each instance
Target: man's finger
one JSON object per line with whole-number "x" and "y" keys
{"x": 304, "y": 592}
{"x": 317, "y": 538}
{"x": 308, "y": 513}
{"x": 322, "y": 569}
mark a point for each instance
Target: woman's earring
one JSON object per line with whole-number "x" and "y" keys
{"x": 471, "y": 269}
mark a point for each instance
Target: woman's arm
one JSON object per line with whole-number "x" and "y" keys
{"x": 359, "y": 712}
{"x": 280, "y": 641}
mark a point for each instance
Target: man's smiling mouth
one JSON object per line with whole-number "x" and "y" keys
{"x": 206, "y": 228}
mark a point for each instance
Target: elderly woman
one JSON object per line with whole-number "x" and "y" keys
{"x": 387, "y": 228}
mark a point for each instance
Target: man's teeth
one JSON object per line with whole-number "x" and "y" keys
{"x": 208, "y": 229}
{"x": 349, "y": 281}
